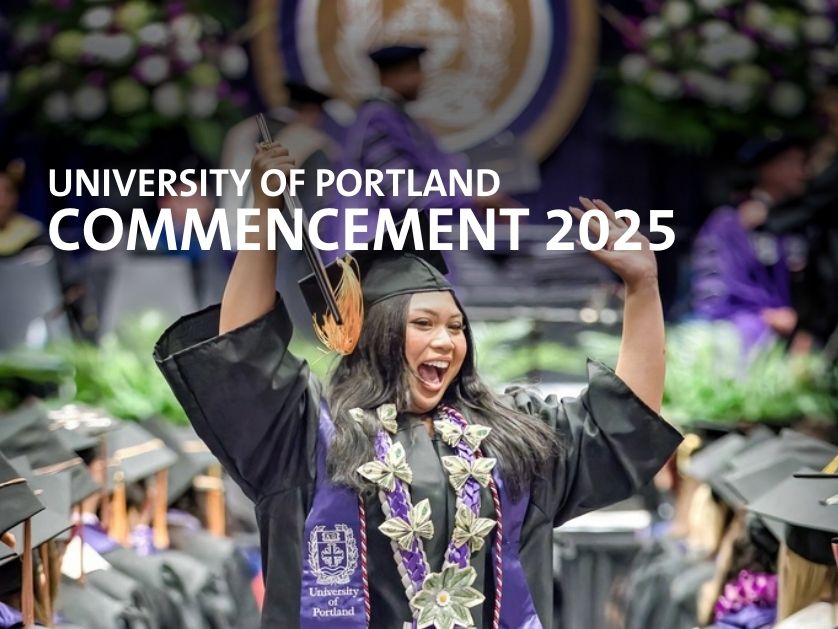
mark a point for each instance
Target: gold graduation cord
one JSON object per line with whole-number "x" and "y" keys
{"x": 160, "y": 528}
{"x": 27, "y": 593}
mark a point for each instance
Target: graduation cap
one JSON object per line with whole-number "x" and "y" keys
{"x": 396, "y": 54}
{"x": 777, "y": 460}
{"x": 709, "y": 463}
{"x": 54, "y": 521}
{"x": 196, "y": 466}
{"x": 80, "y": 427}
{"x": 19, "y": 507}
{"x": 193, "y": 455}
{"x": 16, "y": 497}
{"x": 26, "y": 432}
{"x": 758, "y": 151}
{"x": 302, "y": 93}
{"x": 368, "y": 277}
{"x": 134, "y": 455}
{"x": 807, "y": 506}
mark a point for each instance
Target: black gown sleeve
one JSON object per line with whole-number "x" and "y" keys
{"x": 246, "y": 395}
{"x": 612, "y": 444}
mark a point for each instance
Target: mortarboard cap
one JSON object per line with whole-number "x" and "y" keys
{"x": 758, "y": 151}
{"x": 709, "y": 463}
{"x": 18, "y": 501}
{"x": 778, "y": 459}
{"x": 396, "y": 54}
{"x": 303, "y": 93}
{"x": 80, "y": 426}
{"x": 193, "y": 455}
{"x": 382, "y": 274}
{"x": 51, "y": 523}
{"x": 807, "y": 505}
{"x": 26, "y": 432}
{"x": 136, "y": 453}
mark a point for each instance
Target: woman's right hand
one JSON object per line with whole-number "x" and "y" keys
{"x": 269, "y": 157}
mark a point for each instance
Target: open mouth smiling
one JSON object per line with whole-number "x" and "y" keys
{"x": 432, "y": 372}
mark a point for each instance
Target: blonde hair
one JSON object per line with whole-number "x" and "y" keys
{"x": 707, "y": 521}
{"x": 710, "y": 591}
{"x": 801, "y": 582}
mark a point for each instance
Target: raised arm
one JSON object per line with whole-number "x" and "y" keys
{"x": 641, "y": 364}
{"x": 251, "y": 287}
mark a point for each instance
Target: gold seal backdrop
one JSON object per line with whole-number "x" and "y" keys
{"x": 486, "y": 61}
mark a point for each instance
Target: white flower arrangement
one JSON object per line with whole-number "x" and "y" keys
{"x": 127, "y": 66}
{"x": 717, "y": 66}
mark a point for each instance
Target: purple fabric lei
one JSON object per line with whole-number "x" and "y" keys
{"x": 750, "y": 589}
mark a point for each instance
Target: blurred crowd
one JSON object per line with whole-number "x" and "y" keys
{"x": 107, "y": 523}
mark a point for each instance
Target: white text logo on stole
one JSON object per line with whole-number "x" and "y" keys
{"x": 332, "y": 554}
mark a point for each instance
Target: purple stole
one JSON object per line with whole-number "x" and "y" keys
{"x": 332, "y": 593}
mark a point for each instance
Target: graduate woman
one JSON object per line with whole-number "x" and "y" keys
{"x": 404, "y": 492}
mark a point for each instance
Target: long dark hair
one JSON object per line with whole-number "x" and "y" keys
{"x": 375, "y": 374}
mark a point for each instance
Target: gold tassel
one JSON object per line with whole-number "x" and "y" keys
{"x": 350, "y": 299}
{"x": 44, "y": 595}
{"x": 832, "y": 467}
{"x": 161, "y": 506}
{"x": 118, "y": 521}
{"x": 216, "y": 516}
{"x": 27, "y": 591}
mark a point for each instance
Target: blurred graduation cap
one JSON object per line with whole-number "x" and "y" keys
{"x": 26, "y": 432}
{"x": 196, "y": 467}
{"x": 395, "y": 54}
{"x": 54, "y": 493}
{"x": 299, "y": 92}
{"x": 18, "y": 501}
{"x": 709, "y": 463}
{"x": 134, "y": 454}
{"x": 769, "y": 463}
{"x": 80, "y": 427}
{"x": 193, "y": 455}
{"x": 758, "y": 151}
{"x": 19, "y": 507}
{"x": 371, "y": 276}
{"x": 807, "y": 507}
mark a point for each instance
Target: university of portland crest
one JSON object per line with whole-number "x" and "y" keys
{"x": 332, "y": 554}
{"x": 523, "y": 66}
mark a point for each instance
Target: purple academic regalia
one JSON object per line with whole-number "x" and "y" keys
{"x": 9, "y": 617}
{"x": 737, "y": 274}
{"x": 384, "y": 136}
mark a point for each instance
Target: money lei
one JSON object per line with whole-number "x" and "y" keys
{"x": 437, "y": 599}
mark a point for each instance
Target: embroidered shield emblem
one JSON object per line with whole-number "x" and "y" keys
{"x": 332, "y": 554}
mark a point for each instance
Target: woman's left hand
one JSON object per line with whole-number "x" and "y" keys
{"x": 635, "y": 268}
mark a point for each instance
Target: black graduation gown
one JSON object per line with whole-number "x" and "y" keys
{"x": 256, "y": 407}
{"x": 223, "y": 558}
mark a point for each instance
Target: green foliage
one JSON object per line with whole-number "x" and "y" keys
{"x": 708, "y": 379}
{"x": 119, "y": 374}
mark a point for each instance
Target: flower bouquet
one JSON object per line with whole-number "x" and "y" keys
{"x": 111, "y": 73}
{"x": 696, "y": 70}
